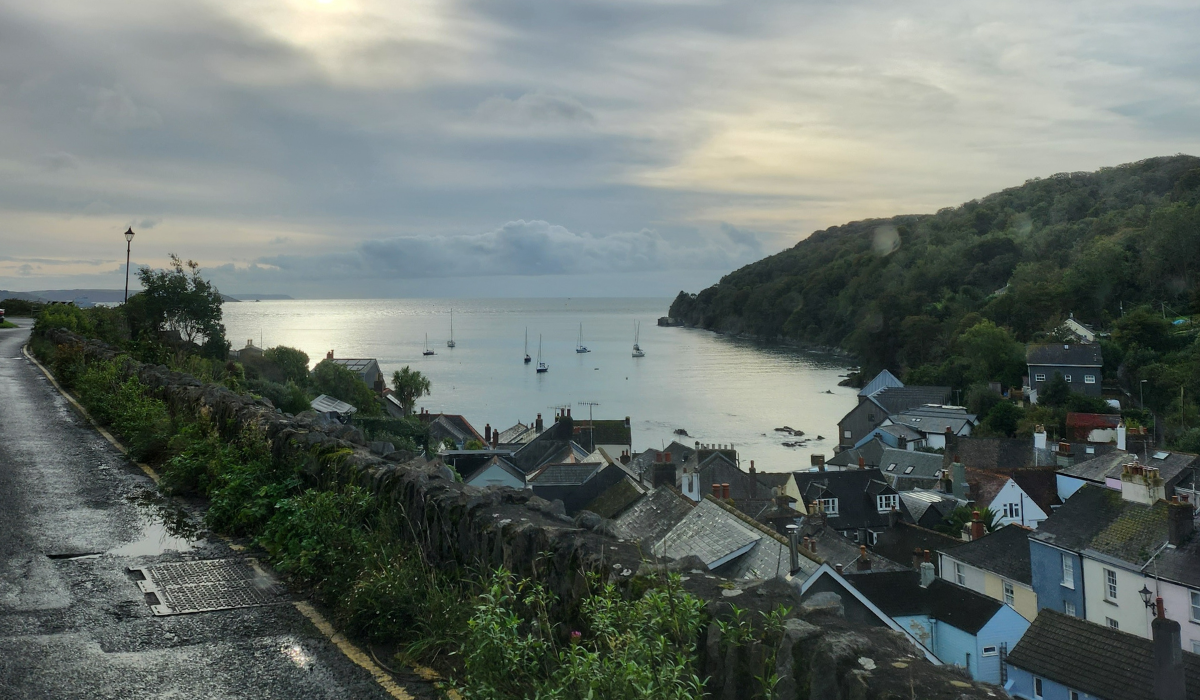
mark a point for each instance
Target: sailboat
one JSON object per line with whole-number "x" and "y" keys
{"x": 541, "y": 366}
{"x": 527, "y": 359}
{"x": 637, "y": 349}
{"x": 580, "y": 347}
{"x": 428, "y": 350}
{"x": 450, "y": 343}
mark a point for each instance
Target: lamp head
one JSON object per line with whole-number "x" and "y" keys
{"x": 1146, "y": 595}
{"x": 129, "y": 235}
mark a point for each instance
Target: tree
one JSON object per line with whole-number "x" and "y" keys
{"x": 962, "y": 516}
{"x": 410, "y": 385}
{"x": 330, "y": 378}
{"x": 179, "y": 301}
{"x": 1055, "y": 392}
{"x": 993, "y": 353}
{"x": 291, "y": 362}
{"x": 1004, "y": 418}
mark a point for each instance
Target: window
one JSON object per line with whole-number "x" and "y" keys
{"x": 1012, "y": 511}
{"x": 1069, "y": 608}
{"x": 1068, "y": 378}
{"x": 1089, "y": 379}
{"x": 847, "y": 434}
{"x": 1068, "y": 567}
{"x": 1009, "y": 594}
{"x": 1039, "y": 377}
{"x": 1037, "y": 687}
{"x": 871, "y": 417}
{"x": 887, "y": 502}
{"x": 1195, "y": 606}
{"x": 891, "y": 467}
{"x": 1073, "y": 695}
{"x": 872, "y": 537}
{"x": 1110, "y": 585}
{"x": 1195, "y": 646}
{"x": 829, "y": 506}
{"x": 1112, "y": 623}
{"x": 990, "y": 651}
{"x": 960, "y": 575}
{"x": 908, "y": 469}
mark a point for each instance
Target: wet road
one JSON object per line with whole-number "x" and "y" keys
{"x": 80, "y": 627}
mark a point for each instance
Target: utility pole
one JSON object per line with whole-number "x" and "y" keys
{"x": 591, "y": 425}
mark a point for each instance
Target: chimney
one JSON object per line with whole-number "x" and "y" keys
{"x": 1064, "y": 456}
{"x": 753, "y": 481}
{"x": 664, "y": 474}
{"x": 667, "y": 457}
{"x": 691, "y": 484}
{"x": 864, "y": 563}
{"x": 538, "y": 426}
{"x": 918, "y": 557}
{"x": 893, "y": 518}
{"x": 818, "y": 461}
{"x": 902, "y": 443}
{"x": 487, "y": 433}
{"x": 837, "y": 568}
{"x": 1121, "y": 435}
{"x": 495, "y": 439}
{"x": 958, "y": 478}
{"x": 793, "y": 554}
{"x": 927, "y": 575}
{"x": 1168, "y": 675}
{"x": 862, "y": 463}
{"x": 626, "y": 421}
{"x": 725, "y": 491}
{"x": 1179, "y": 521}
{"x": 977, "y": 527}
{"x": 568, "y": 413}
{"x": 717, "y": 491}
{"x": 1142, "y": 484}
{"x": 329, "y": 355}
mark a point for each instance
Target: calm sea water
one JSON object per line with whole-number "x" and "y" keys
{"x": 721, "y": 390}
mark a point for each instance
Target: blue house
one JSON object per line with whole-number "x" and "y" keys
{"x": 1055, "y": 563}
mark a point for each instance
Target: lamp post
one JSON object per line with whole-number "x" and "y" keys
{"x": 128, "y": 245}
{"x": 1147, "y": 596}
{"x": 1141, "y": 400}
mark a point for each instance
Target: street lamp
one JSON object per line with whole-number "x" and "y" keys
{"x": 1147, "y": 596}
{"x": 1141, "y": 401}
{"x": 128, "y": 244}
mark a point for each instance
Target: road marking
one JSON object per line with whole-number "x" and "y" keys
{"x": 352, "y": 652}
{"x": 344, "y": 645}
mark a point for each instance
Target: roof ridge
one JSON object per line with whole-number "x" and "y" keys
{"x": 748, "y": 520}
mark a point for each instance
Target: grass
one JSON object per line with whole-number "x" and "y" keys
{"x": 8, "y": 324}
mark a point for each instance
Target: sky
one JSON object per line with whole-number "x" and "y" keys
{"x": 441, "y": 148}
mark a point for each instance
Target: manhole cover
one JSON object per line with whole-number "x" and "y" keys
{"x": 200, "y": 586}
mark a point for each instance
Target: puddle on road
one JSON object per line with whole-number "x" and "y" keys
{"x": 166, "y": 527}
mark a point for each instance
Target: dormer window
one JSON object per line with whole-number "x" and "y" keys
{"x": 887, "y": 502}
{"x": 829, "y": 506}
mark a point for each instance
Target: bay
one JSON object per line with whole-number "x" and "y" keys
{"x": 721, "y": 390}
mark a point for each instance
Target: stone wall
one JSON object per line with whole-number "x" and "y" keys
{"x": 463, "y": 527}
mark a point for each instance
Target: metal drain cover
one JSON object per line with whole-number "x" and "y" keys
{"x": 212, "y": 584}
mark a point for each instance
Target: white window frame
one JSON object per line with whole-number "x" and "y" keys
{"x": 1089, "y": 379}
{"x": 847, "y": 434}
{"x": 1069, "y": 608}
{"x": 891, "y": 467}
{"x": 1010, "y": 593}
{"x": 1110, "y": 585}
{"x": 1067, "y": 377}
{"x": 1037, "y": 688}
{"x": 1073, "y": 695}
{"x": 1112, "y": 624}
{"x": 1194, "y": 599}
{"x": 1196, "y": 646}
{"x": 1012, "y": 510}
{"x": 829, "y": 506}
{"x": 1068, "y": 571}
{"x": 885, "y": 503}
{"x": 990, "y": 650}
{"x": 1039, "y": 377}
{"x": 960, "y": 574}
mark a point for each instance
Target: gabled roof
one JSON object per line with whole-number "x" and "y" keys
{"x": 605, "y": 432}
{"x": 1094, "y": 659}
{"x": 616, "y": 498}
{"x": 545, "y": 448}
{"x": 1085, "y": 514}
{"x": 710, "y": 533}
{"x": 910, "y": 467}
{"x": 935, "y": 419}
{"x": 354, "y": 365}
{"x": 855, "y": 490}
{"x": 767, "y": 559}
{"x": 1004, "y": 552}
{"x": 1134, "y": 535}
{"x": 679, "y": 451}
{"x": 900, "y": 431}
{"x": 568, "y": 474}
{"x": 1178, "y": 564}
{"x": 897, "y": 543}
{"x": 997, "y": 454}
{"x": 653, "y": 516}
{"x": 442, "y": 425}
{"x": 519, "y": 433}
{"x": 1041, "y": 485}
{"x": 1064, "y": 355}
{"x": 495, "y": 461}
{"x": 883, "y": 380}
{"x": 1110, "y": 465}
{"x": 870, "y": 452}
{"x": 833, "y": 548}
{"x": 899, "y": 593}
{"x": 1102, "y": 421}
{"x": 893, "y": 400}
{"x": 919, "y": 501}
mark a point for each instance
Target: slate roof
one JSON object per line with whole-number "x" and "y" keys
{"x": 605, "y": 432}
{"x": 883, "y": 380}
{"x": 653, "y": 516}
{"x": 1041, "y": 485}
{"x": 901, "y": 431}
{"x": 1004, "y": 552}
{"x": 1065, "y": 355}
{"x": 570, "y": 474}
{"x": 897, "y": 543}
{"x": 906, "y": 469}
{"x": 519, "y": 433}
{"x": 1134, "y": 535}
{"x": 870, "y": 452}
{"x": 1179, "y": 564}
{"x": 921, "y": 500}
{"x": 679, "y": 451}
{"x": 934, "y": 419}
{"x": 997, "y": 454}
{"x": 833, "y": 548}
{"x": 855, "y": 490}
{"x": 893, "y": 400}
{"x": 899, "y": 593}
{"x": 1095, "y": 659}
{"x": 767, "y": 559}
{"x": 1073, "y": 525}
{"x": 1099, "y": 468}
{"x": 709, "y": 532}
{"x": 543, "y": 449}
{"x": 616, "y": 498}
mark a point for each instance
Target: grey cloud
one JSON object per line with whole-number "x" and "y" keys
{"x": 534, "y": 109}
{"x": 115, "y": 109}
{"x": 61, "y": 160}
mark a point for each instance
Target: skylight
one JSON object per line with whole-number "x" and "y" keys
{"x": 1161, "y": 455}
{"x": 908, "y": 469}
{"x": 891, "y": 467}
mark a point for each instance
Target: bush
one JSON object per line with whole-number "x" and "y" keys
{"x": 66, "y": 316}
{"x": 123, "y": 404}
{"x": 335, "y": 380}
{"x": 320, "y": 537}
{"x": 21, "y": 307}
{"x": 289, "y": 398}
{"x": 292, "y": 363}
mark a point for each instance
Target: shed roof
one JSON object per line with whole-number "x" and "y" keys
{"x": 327, "y": 404}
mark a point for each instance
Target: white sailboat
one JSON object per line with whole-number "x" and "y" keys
{"x": 527, "y": 359}
{"x": 450, "y": 343}
{"x": 541, "y": 366}
{"x": 637, "y": 349}
{"x": 580, "y": 346}
{"x": 428, "y": 350}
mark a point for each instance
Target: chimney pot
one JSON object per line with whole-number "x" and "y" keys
{"x": 837, "y": 568}
{"x": 862, "y": 463}
{"x": 666, "y": 456}
{"x": 716, "y": 491}
{"x": 751, "y": 466}
{"x": 725, "y": 491}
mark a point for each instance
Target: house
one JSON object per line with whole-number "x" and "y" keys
{"x": 1081, "y": 364}
{"x": 1175, "y": 468}
{"x": 857, "y": 503}
{"x": 1021, "y": 496}
{"x": 450, "y": 426}
{"x": 576, "y": 484}
{"x": 615, "y": 436}
{"x": 328, "y": 404}
{"x": 1173, "y": 574}
{"x": 496, "y": 470}
{"x": 906, "y": 544}
{"x": 367, "y": 370}
{"x": 906, "y": 470}
{"x": 999, "y": 454}
{"x": 996, "y": 565}
{"x": 1083, "y": 333}
{"x": 1065, "y": 658}
{"x": 251, "y": 351}
{"x": 828, "y": 546}
{"x": 1056, "y": 565}
{"x": 867, "y": 455}
{"x": 935, "y": 422}
{"x": 898, "y": 436}
{"x": 884, "y": 396}
{"x": 1093, "y": 427}
{"x": 618, "y": 498}
{"x": 956, "y": 624}
{"x": 930, "y": 508}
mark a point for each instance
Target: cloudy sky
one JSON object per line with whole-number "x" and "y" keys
{"x": 559, "y": 147}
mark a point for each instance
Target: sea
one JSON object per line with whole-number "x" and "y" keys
{"x": 719, "y": 389}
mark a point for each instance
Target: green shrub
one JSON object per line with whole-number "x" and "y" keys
{"x": 335, "y": 380}
{"x": 289, "y": 397}
{"x": 291, "y": 363}
{"x": 320, "y": 537}
{"x": 123, "y": 404}
{"x": 66, "y": 316}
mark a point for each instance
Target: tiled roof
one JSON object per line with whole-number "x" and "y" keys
{"x": 870, "y": 452}
{"x": 883, "y": 380}
{"x": 1135, "y": 535}
{"x": 1004, "y": 552}
{"x": 653, "y": 516}
{"x": 899, "y": 593}
{"x": 708, "y": 532}
{"x": 569, "y": 474}
{"x": 1069, "y": 354}
{"x": 1095, "y": 659}
{"x": 893, "y": 400}
{"x": 910, "y": 465}
{"x": 1085, "y": 514}
{"x": 1093, "y": 420}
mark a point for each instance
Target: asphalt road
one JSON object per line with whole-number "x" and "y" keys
{"x": 80, "y": 627}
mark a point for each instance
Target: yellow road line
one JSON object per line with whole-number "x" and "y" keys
{"x": 352, "y": 652}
